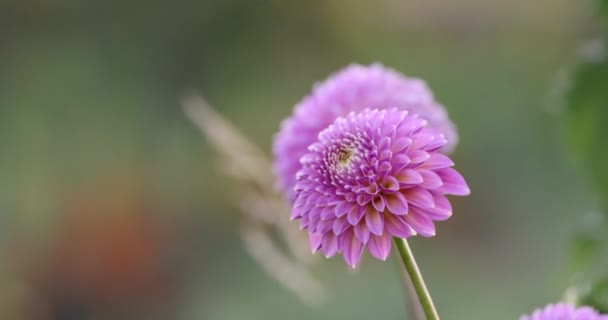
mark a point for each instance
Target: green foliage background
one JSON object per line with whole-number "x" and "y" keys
{"x": 585, "y": 116}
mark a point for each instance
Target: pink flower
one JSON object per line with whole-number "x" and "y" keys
{"x": 564, "y": 311}
{"x": 352, "y": 89}
{"x": 372, "y": 176}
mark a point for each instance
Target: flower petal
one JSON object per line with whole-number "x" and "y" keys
{"x": 327, "y": 212}
{"x": 363, "y": 199}
{"x": 397, "y": 227}
{"x": 372, "y": 188}
{"x": 342, "y": 208}
{"x": 420, "y": 223}
{"x": 419, "y": 197}
{"x": 314, "y": 240}
{"x": 396, "y": 203}
{"x": 399, "y": 161}
{"x": 340, "y": 225}
{"x": 378, "y": 203}
{"x": 362, "y": 232}
{"x": 355, "y": 215}
{"x": 295, "y": 213}
{"x": 400, "y": 144}
{"x": 431, "y": 179}
{"x": 419, "y": 156}
{"x": 437, "y": 161}
{"x": 442, "y": 209}
{"x": 324, "y": 225}
{"x": 453, "y": 182}
{"x": 421, "y": 140}
{"x": 351, "y": 249}
{"x": 390, "y": 183}
{"x": 329, "y": 244}
{"x": 409, "y": 177}
{"x": 384, "y": 167}
{"x": 375, "y": 222}
{"x": 385, "y": 155}
{"x": 380, "y": 246}
{"x": 384, "y": 142}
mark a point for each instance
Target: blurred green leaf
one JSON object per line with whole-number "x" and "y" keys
{"x": 603, "y": 7}
{"x": 597, "y": 297}
{"x": 586, "y": 121}
{"x": 584, "y": 248}
{"x": 590, "y": 240}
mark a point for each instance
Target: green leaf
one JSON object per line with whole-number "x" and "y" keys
{"x": 597, "y": 297}
{"x": 586, "y": 118}
{"x": 603, "y": 8}
{"x": 584, "y": 248}
{"x": 589, "y": 245}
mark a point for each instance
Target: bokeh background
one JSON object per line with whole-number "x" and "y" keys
{"x": 111, "y": 204}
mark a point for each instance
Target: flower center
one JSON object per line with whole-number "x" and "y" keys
{"x": 344, "y": 156}
{"x": 341, "y": 160}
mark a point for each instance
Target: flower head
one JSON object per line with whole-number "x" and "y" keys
{"x": 352, "y": 89}
{"x": 564, "y": 311}
{"x": 371, "y": 176}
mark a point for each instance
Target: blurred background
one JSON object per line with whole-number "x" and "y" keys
{"x": 111, "y": 204}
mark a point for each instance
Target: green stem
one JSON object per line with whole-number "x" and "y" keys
{"x": 412, "y": 269}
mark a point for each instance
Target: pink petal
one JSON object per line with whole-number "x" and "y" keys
{"x": 431, "y": 179}
{"x": 400, "y": 161}
{"x": 363, "y": 199}
{"x": 390, "y": 183}
{"x": 355, "y": 215}
{"x": 324, "y": 225}
{"x": 453, "y": 183}
{"x": 419, "y": 156}
{"x": 375, "y": 222}
{"x": 315, "y": 213}
{"x": 409, "y": 177}
{"x": 328, "y": 212}
{"x": 349, "y": 196}
{"x": 437, "y": 161}
{"x": 380, "y": 246}
{"x": 329, "y": 244}
{"x": 314, "y": 240}
{"x": 333, "y": 200}
{"x": 351, "y": 249}
{"x": 314, "y": 197}
{"x": 342, "y": 208}
{"x": 372, "y": 188}
{"x": 295, "y": 213}
{"x": 384, "y": 167}
{"x": 340, "y": 225}
{"x": 438, "y": 142}
{"x": 443, "y": 207}
{"x": 419, "y": 197}
{"x": 400, "y": 144}
{"x": 421, "y": 140}
{"x": 299, "y": 201}
{"x": 362, "y": 232}
{"x": 396, "y": 203}
{"x": 378, "y": 203}
{"x": 420, "y": 223}
{"x": 385, "y": 155}
{"x": 384, "y": 142}
{"x": 396, "y": 226}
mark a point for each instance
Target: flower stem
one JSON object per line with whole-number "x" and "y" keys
{"x": 412, "y": 269}
{"x": 411, "y": 297}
